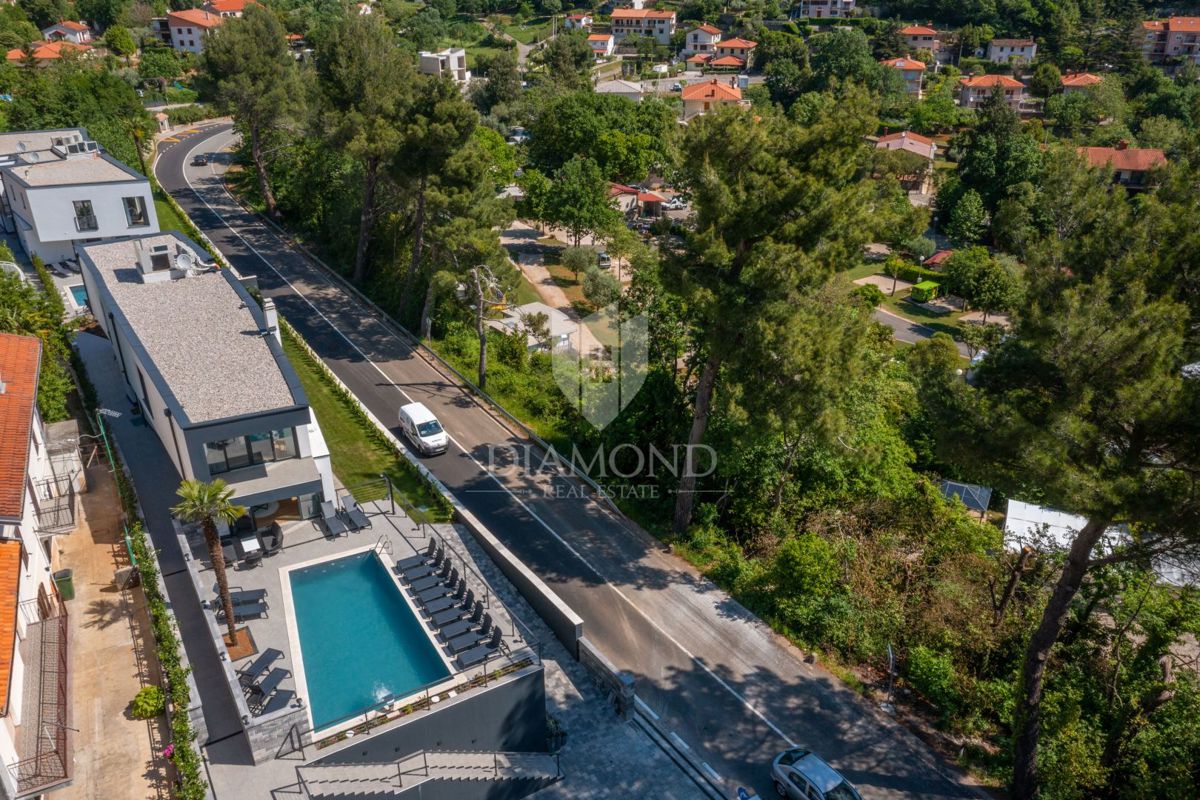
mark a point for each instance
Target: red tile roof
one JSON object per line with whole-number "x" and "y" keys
{"x": 1183, "y": 24}
{"x": 712, "y": 90}
{"x": 195, "y": 16}
{"x": 727, "y": 61}
{"x": 642, "y": 13}
{"x": 1129, "y": 159}
{"x": 227, "y": 6}
{"x": 10, "y": 583}
{"x": 988, "y": 81}
{"x": 1079, "y": 79}
{"x": 938, "y": 257}
{"x": 710, "y": 29}
{"x": 700, "y": 58}
{"x": 905, "y": 64}
{"x": 1154, "y": 25}
{"x": 742, "y": 43}
{"x": 20, "y": 357}
{"x": 650, "y": 197}
{"x": 617, "y": 189}
{"x": 917, "y": 30}
{"x": 43, "y": 51}
{"x": 909, "y": 135}
{"x": 70, "y": 25}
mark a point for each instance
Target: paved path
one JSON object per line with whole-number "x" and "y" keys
{"x": 717, "y": 676}
{"x": 912, "y": 332}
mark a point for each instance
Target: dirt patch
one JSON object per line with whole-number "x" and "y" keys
{"x": 244, "y": 647}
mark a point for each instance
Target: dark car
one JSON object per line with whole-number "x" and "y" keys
{"x": 800, "y": 774}
{"x": 200, "y": 160}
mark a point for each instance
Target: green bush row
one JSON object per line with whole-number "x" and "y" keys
{"x": 186, "y": 115}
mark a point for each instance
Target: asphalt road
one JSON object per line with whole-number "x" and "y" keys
{"x": 719, "y": 679}
{"x": 905, "y": 330}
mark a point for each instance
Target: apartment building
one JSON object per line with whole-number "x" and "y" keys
{"x": 71, "y": 192}
{"x": 35, "y": 747}
{"x": 189, "y": 28}
{"x": 826, "y": 9}
{"x": 204, "y": 364}
{"x": 451, "y": 63}
{"x": 659, "y": 25}
{"x": 1170, "y": 39}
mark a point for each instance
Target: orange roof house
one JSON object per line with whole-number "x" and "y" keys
{"x": 47, "y": 51}
{"x": 1129, "y": 164}
{"x": 1080, "y": 80}
{"x": 194, "y": 16}
{"x": 704, "y": 96}
{"x": 20, "y": 359}
{"x": 975, "y": 90}
{"x": 918, "y": 30}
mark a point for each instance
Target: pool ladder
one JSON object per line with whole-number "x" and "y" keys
{"x": 383, "y": 545}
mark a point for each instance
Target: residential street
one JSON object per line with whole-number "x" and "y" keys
{"x": 906, "y": 330}
{"x": 719, "y": 678}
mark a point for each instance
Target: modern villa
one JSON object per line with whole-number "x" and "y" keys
{"x": 203, "y": 363}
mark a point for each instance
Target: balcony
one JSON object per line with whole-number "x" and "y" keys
{"x": 55, "y": 506}
{"x": 41, "y": 738}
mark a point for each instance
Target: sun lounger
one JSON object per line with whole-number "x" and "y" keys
{"x": 244, "y": 612}
{"x": 430, "y": 580}
{"x": 267, "y": 686}
{"x": 333, "y": 523}
{"x": 471, "y": 638}
{"x": 244, "y": 597}
{"x": 422, "y": 570}
{"x": 480, "y": 653}
{"x": 249, "y": 673}
{"x": 279, "y": 700}
{"x": 357, "y": 517}
{"x": 461, "y": 626}
{"x": 450, "y": 587}
{"x": 420, "y": 559}
{"x": 446, "y": 605}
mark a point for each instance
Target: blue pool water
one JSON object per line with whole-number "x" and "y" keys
{"x": 359, "y": 640}
{"x": 79, "y": 294}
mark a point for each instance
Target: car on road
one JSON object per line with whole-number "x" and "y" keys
{"x": 423, "y": 429}
{"x": 801, "y": 774}
{"x": 200, "y": 160}
{"x": 676, "y": 87}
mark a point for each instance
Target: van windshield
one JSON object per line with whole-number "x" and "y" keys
{"x": 430, "y": 428}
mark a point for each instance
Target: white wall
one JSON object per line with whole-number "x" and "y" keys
{"x": 186, "y": 42}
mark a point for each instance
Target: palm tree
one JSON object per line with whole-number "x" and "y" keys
{"x": 206, "y": 503}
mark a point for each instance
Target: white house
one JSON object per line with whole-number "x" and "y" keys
{"x": 704, "y": 96}
{"x": 975, "y": 90}
{"x": 73, "y": 193}
{"x": 451, "y": 62}
{"x": 702, "y": 40}
{"x": 659, "y": 25}
{"x": 226, "y": 8}
{"x": 920, "y": 37}
{"x": 68, "y": 31}
{"x": 203, "y": 362}
{"x": 190, "y": 27}
{"x": 826, "y": 9}
{"x": 602, "y": 44}
{"x": 911, "y": 70}
{"x": 1012, "y": 51}
{"x": 34, "y": 665}
{"x": 631, "y": 90}
{"x": 582, "y": 21}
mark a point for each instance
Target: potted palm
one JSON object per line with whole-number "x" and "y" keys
{"x": 206, "y": 504}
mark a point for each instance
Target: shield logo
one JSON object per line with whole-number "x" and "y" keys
{"x": 604, "y": 364}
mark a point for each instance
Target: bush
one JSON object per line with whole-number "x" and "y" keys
{"x": 870, "y": 293}
{"x": 149, "y": 702}
{"x": 186, "y": 115}
{"x": 932, "y": 674}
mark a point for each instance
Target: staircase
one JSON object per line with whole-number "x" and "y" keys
{"x": 396, "y": 779}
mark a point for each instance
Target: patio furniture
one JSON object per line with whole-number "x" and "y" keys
{"x": 480, "y": 653}
{"x": 249, "y": 673}
{"x": 334, "y": 524}
{"x": 451, "y": 587}
{"x": 229, "y": 552}
{"x": 433, "y": 580}
{"x": 244, "y": 612}
{"x": 357, "y": 517}
{"x": 272, "y": 539}
{"x": 463, "y": 598}
{"x": 252, "y": 559}
{"x": 279, "y": 700}
{"x": 428, "y": 557}
{"x": 427, "y": 569}
{"x": 461, "y": 626}
{"x": 471, "y": 638}
{"x": 245, "y": 597}
{"x": 264, "y": 688}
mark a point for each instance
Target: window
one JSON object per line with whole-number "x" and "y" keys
{"x": 135, "y": 211}
{"x": 256, "y": 448}
{"x": 85, "y": 217}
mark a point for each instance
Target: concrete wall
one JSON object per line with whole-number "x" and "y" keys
{"x": 267, "y": 734}
{"x": 471, "y": 790}
{"x": 508, "y": 716}
{"x": 617, "y": 684}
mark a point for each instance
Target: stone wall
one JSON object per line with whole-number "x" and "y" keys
{"x": 271, "y": 734}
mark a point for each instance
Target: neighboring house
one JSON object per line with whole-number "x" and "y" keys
{"x": 659, "y": 25}
{"x": 1177, "y": 37}
{"x": 734, "y": 53}
{"x": 1079, "y": 81}
{"x": 74, "y": 193}
{"x": 920, "y": 182}
{"x": 451, "y": 62}
{"x": 67, "y": 31}
{"x": 625, "y": 198}
{"x": 702, "y": 40}
{"x": 621, "y": 88}
{"x": 189, "y": 28}
{"x": 34, "y": 664}
{"x": 704, "y": 96}
{"x": 226, "y": 8}
{"x": 938, "y": 258}
{"x": 651, "y": 204}
{"x": 46, "y": 52}
{"x": 826, "y": 9}
{"x": 559, "y": 328}
{"x": 1130, "y": 165}
{"x": 911, "y": 70}
{"x": 920, "y": 37}
{"x": 1012, "y": 51}
{"x": 602, "y": 44}
{"x": 975, "y": 90}
{"x": 204, "y": 364}
{"x": 975, "y": 497}
{"x": 578, "y": 22}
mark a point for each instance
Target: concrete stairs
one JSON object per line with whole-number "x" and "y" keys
{"x": 395, "y": 779}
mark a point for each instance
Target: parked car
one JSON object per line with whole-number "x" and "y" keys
{"x": 200, "y": 160}
{"x": 423, "y": 429}
{"x": 604, "y": 259}
{"x": 676, "y": 87}
{"x": 801, "y": 774}
{"x": 675, "y": 204}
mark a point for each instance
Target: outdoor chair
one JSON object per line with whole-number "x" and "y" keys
{"x": 450, "y": 587}
{"x": 460, "y": 626}
{"x": 471, "y": 638}
{"x": 249, "y": 673}
{"x": 244, "y": 597}
{"x": 263, "y": 689}
{"x": 426, "y": 569}
{"x": 428, "y": 582}
{"x": 279, "y": 700}
{"x": 480, "y": 653}
{"x": 357, "y": 517}
{"x": 462, "y": 600}
{"x": 252, "y": 559}
{"x": 420, "y": 559}
{"x": 244, "y": 612}
{"x": 334, "y": 525}
{"x": 272, "y": 539}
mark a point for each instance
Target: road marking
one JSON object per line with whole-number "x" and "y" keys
{"x": 170, "y": 139}
{"x": 745, "y": 703}
{"x": 645, "y": 708}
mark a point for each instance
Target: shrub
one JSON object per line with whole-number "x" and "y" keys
{"x": 870, "y": 293}
{"x": 149, "y": 702}
{"x": 932, "y": 674}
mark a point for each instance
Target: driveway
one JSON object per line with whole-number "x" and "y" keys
{"x": 717, "y": 677}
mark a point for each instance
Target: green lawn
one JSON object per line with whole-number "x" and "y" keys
{"x": 535, "y": 29}
{"x": 943, "y": 323}
{"x": 358, "y": 452}
{"x": 168, "y": 218}
{"x": 525, "y": 292}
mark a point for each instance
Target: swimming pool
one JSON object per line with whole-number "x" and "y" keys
{"x": 79, "y": 295}
{"x": 360, "y": 642}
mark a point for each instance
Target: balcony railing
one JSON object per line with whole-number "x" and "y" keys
{"x": 42, "y": 735}
{"x": 55, "y": 505}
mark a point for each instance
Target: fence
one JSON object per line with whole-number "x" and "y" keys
{"x": 50, "y": 762}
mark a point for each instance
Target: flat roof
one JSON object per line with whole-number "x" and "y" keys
{"x": 199, "y": 332}
{"x": 33, "y": 141}
{"x": 73, "y": 171}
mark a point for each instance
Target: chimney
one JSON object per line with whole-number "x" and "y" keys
{"x": 1123, "y": 144}
{"x": 272, "y": 319}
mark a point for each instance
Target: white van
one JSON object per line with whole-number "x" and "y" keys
{"x": 423, "y": 429}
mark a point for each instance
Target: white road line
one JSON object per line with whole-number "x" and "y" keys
{"x": 645, "y": 708}
{"x": 712, "y": 773}
{"x": 745, "y": 703}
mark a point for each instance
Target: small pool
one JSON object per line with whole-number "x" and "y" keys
{"x": 79, "y": 295}
{"x": 360, "y": 641}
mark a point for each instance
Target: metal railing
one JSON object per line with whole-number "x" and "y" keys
{"x": 454, "y": 764}
{"x": 54, "y": 506}
{"x": 50, "y": 763}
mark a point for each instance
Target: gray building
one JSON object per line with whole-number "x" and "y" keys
{"x": 204, "y": 364}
